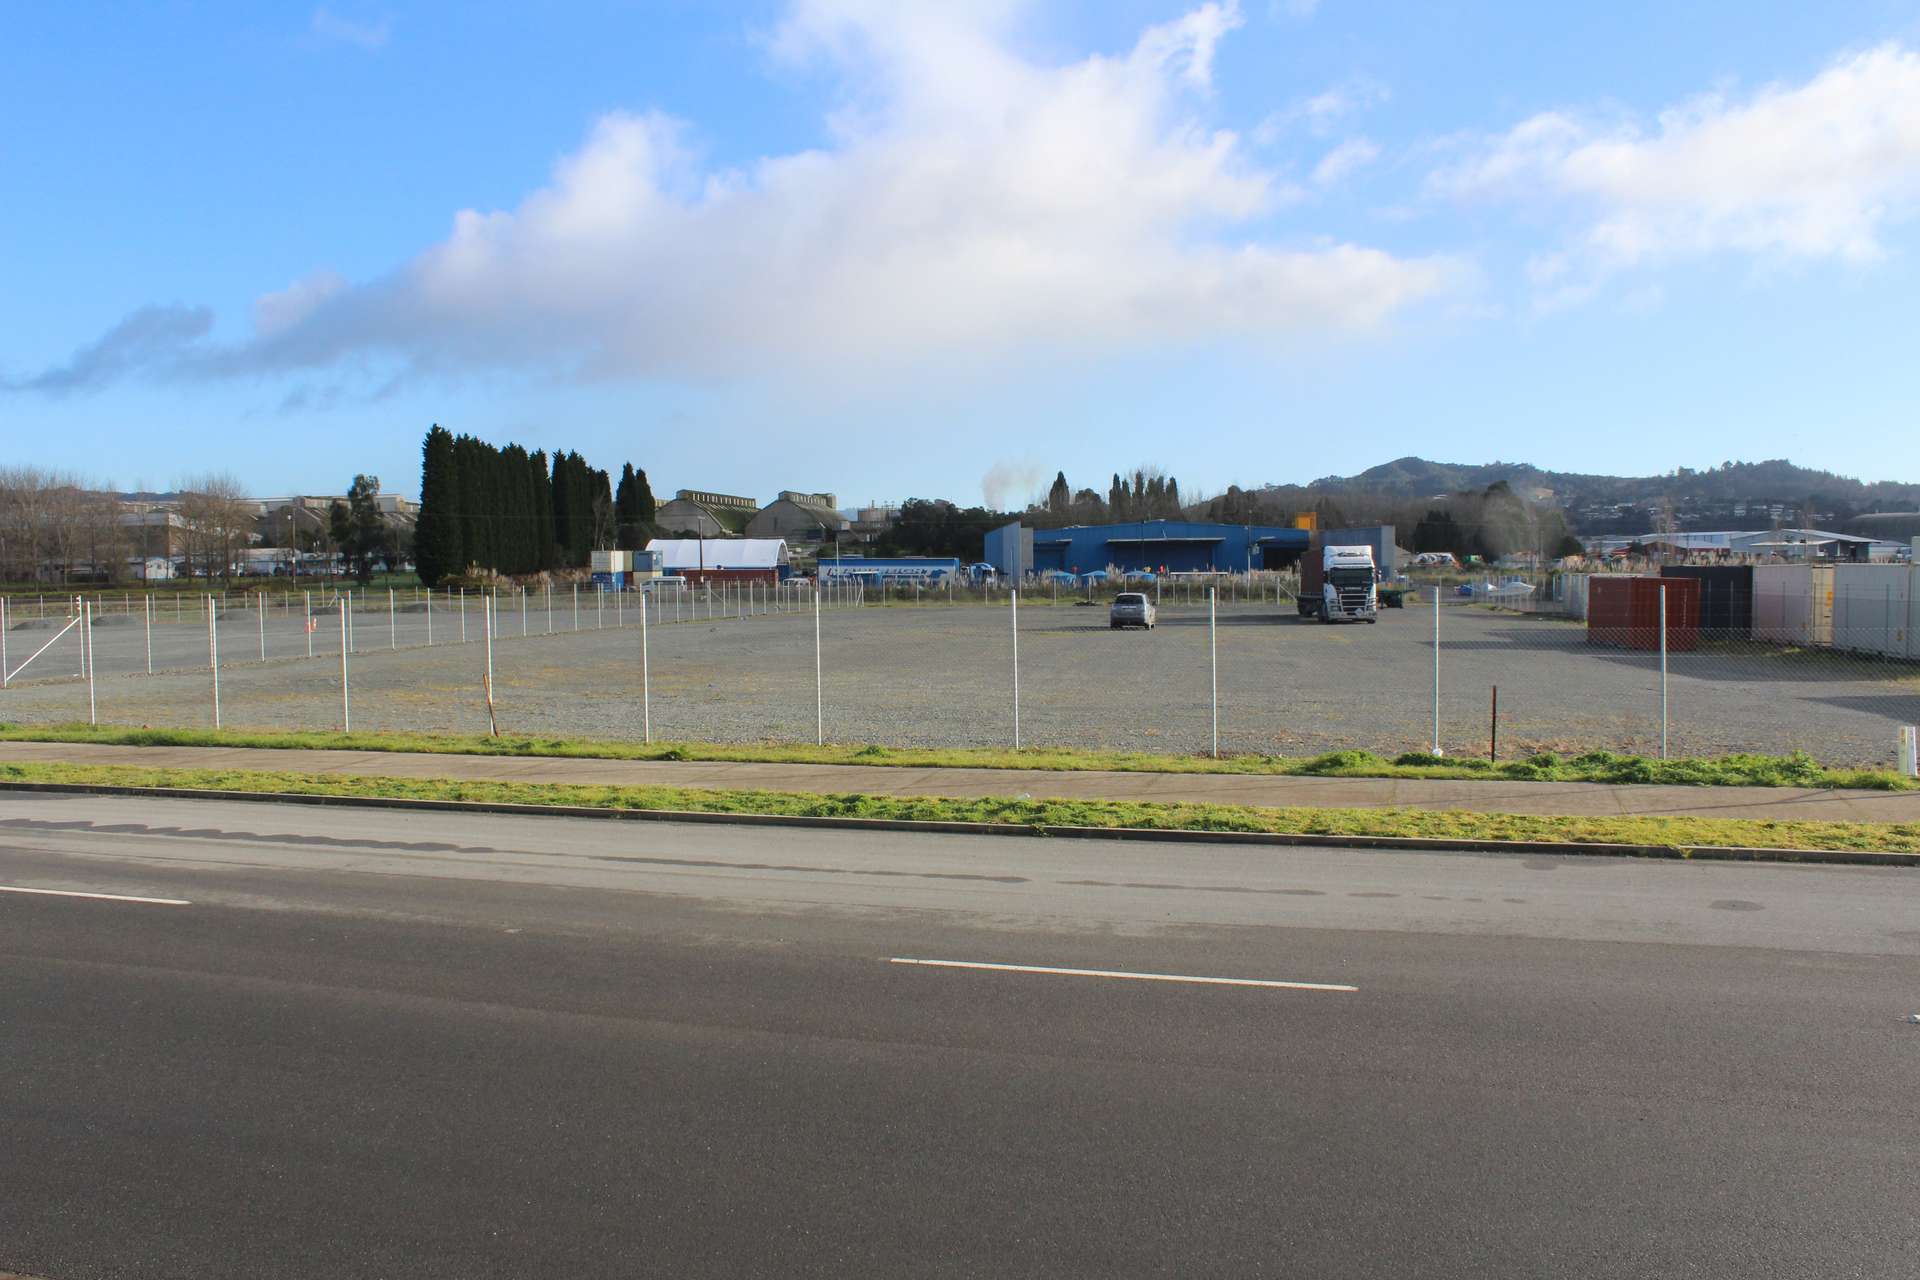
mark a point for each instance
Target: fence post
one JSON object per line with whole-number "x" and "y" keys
{"x": 1910, "y": 751}
{"x": 463, "y": 615}
{"x": 306, "y": 601}
{"x": 3, "y": 640}
{"x": 261, "y": 615}
{"x": 149, "y": 635}
{"x": 213, "y": 656}
{"x": 1663, "y": 669}
{"x": 393, "y": 621}
{"x": 1436, "y": 671}
{"x": 1213, "y": 668}
{"x": 429, "y": 618}
{"x": 599, "y": 608}
{"x": 346, "y": 701}
{"x": 1013, "y": 600}
{"x": 819, "y": 700}
{"x": 523, "y": 613}
{"x": 86, "y": 629}
{"x": 646, "y": 676}
{"x": 486, "y": 616}
{"x": 576, "y": 606}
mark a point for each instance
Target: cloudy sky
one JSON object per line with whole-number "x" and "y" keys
{"x": 899, "y": 249}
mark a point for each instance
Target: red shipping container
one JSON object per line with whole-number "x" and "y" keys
{"x": 1625, "y": 612}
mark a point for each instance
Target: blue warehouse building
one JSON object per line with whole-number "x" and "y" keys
{"x": 1158, "y": 546}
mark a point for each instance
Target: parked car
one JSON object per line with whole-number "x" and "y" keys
{"x": 1131, "y": 609}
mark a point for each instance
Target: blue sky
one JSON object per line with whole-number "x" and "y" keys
{"x": 909, "y": 250}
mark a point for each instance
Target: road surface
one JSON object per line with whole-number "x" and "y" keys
{"x": 354, "y": 1043}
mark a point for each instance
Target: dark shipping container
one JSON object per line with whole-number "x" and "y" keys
{"x": 1726, "y": 597}
{"x": 1625, "y": 612}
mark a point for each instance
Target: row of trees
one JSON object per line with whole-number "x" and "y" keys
{"x": 56, "y": 523}
{"x": 508, "y": 510}
{"x": 1146, "y": 495}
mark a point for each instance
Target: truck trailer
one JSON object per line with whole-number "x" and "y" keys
{"x": 1339, "y": 584}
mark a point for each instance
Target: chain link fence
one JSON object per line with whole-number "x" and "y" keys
{"x": 1232, "y": 663}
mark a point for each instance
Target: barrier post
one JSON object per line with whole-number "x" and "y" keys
{"x": 346, "y": 700}
{"x": 1436, "y": 671}
{"x": 1013, "y": 611}
{"x": 86, "y": 631}
{"x": 213, "y": 656}
{"x": 1213, "y": 668}
{"x": 486, "y": 615}
{"x": 646, "y": 676}
{"x": 1663, "y": 669}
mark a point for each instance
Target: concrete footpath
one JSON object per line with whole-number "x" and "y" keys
{"x": 1583, "y": 799}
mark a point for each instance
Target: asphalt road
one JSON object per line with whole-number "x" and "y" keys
{"x": 391, "y": 1045}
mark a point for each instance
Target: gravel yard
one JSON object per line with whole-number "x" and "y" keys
{"x": 941, "y": 676}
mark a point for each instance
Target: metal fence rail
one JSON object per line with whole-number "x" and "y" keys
{"x": 1231, "y": 668}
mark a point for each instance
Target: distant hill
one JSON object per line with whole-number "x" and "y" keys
{"x": 1733, "y": 495}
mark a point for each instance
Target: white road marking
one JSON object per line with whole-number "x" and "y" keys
{"x": 103, "y": 897}
{"x": 1119, "y": 973}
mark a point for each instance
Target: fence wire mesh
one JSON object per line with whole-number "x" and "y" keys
{"x": 1829, "y": 666}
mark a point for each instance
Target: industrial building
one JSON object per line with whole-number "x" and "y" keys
{"x": 1158, "y": 546}
{"x": 700, "y": 514}
{"x": 798, "y": 517}
{"x": 1754, "y": 544}
{"x": 888, "y": 569}
{"x": 699, "y": 560}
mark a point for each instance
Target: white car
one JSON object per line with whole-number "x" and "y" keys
{"x": 1131, "y": 609}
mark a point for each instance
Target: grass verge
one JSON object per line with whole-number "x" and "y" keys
{"x": 1409, "y": 823}
{"x": 1796, "y": 770}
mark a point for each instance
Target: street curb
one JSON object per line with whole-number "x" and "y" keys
{"x": 1702, "y": 853}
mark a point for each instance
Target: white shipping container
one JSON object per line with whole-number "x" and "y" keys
{"x": 1784, "y": 608}
{"x": 612, "y": 561}
{"x": 1872, "y": 608}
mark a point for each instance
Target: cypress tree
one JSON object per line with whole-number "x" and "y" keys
{"x": 437, "y": 542}
{"x": 1060, "y": 496}
{"x": 562, "y": 511}
{"x": 626, "y": 525}
{"x": 540, "y": 480}
{"x": 604, "y": 520}
{"x": 643, "y": 504}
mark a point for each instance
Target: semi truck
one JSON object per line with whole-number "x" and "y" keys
{"x": 1339, "y": 584}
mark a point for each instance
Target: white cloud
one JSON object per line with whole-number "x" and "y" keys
{"x": 973, "y": 205}
{"x": 1341, "y": 162}
{"x": 1790, "y": 172}
{"x": 1323, "y": 113}
{"x": 366, "y": 33}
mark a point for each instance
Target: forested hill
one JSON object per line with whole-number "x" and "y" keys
{"x": 1776, "y": 481}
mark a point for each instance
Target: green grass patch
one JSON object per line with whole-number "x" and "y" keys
{"x": 1412, "y": 823}
{"x": 1796, "y": 770}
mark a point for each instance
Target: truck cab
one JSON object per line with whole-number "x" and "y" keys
{"x": 1340, "y": 584}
